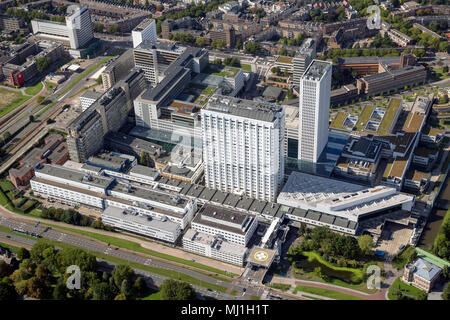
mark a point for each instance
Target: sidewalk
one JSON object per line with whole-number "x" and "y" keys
{"x": 379, "y": 295}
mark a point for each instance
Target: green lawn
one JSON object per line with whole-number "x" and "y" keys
{"x": 326, "y": 293}
{"x": 253, "y": 297}
{"x": 441, "y": 75}
{"x": 246, "y": 67}
{"x": 364, "y": 117}
{"x": 130, "y": 245}
{"x": 310, "y": 297}
{"x": 9, "y": 247}
{"x": 222, "y": 71}
{"x": 153, "y": 296}
{"x": 338, "y": 121}
{"x": 404, "y": 288}
{"x": 389, "y": 115}
{"x": 6, "y": 185}
{"x": 280, "y": 286}
{"x": 11, "y": 100}
{"x": 35, "y": 89}
{"x": 357, "y": 274}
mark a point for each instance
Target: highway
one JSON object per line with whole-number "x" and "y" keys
{"x": 97, "y": 246}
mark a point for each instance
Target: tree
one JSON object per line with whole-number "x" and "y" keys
{"x": 413, "y": 256}
{"x": 40, "y": 99}
{"x": 36, "y": 288}
{"x": 176, "y": 290}
{"x": 140, "y": 287}
{"x": 365, "y": 243}
{"x": 445, "y": 294}
{"x": 5, "y": 269}
{"x": 445, "y": 273}
{"x": 218, "y": 44}
{"x": 98, "y": 27}
{"x": 252, "y": 47}
{"x": 144, "y": 159}
{"x": 302, "y": 229}
{"x": 31, "y": 118}
{"x": 422, "y": 296}
{"x": 121, "y": 296}
{"x": 102, "y": 291}
{"x": 7, "y": 291}
{"x": 42, "y": 63}
{"x": 200, "y": 41}
{"x": 60, "y": 291}
{"x": 37, "y": 249}
{"x": 23, "y": 253}
{"x": 122, "y": 272}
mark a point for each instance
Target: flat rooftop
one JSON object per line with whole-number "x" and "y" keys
{"x": 145, "y": 220}
{"x": 243, "y": 108}
{"x": 213, "y": 242}
{"x": 75, "y": 175}
{"x": 316, "y": 70}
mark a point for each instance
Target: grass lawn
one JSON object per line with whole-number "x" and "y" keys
{"x": 152, "y": 296}
{"x": 50, "y": 85}
{"x": 6, "y": 185}
{"x": 404, "y": 288}
{"x": 389, "y": 115}
{"x": 310, "y": 297}
{"x": 280, "y": 286}
{"x": 10, "y": 100}
{"x": 253, "y": 297}
{"x": 284, "y": 59}
{"x": 35, "y": 89}
{"x": 364, "y": 117}
{"x": 130, "y": 245}
{"x": 441, "y": 75}
{"x": 326, "y": 293}
{"x": 9, "y": 247}
{"x": 333, "y": 278}
{"x": 246, "y": 67}
{"x": 338, "y": 121}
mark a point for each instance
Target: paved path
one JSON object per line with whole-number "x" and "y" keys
{"x": 379, "y": 295}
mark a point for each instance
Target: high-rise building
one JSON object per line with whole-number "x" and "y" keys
{"x": 314, "y": 112}
{"x": 243, "y": 146}
{"x": 146, "y": 30}
{"x": 75, "y": 33}
{"x": 79, "y": 25}
{"x": 302, "y": 59}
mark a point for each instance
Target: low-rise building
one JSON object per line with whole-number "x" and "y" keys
{"x": 214, "y": 247}
{"x": 422, "y": 274}
{"x": 232, "y": 225}
{"x": 161, "y": 229}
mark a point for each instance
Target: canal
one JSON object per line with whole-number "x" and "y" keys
{"x": 436, "y": 217}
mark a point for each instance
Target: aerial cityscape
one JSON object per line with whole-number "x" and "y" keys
{"x": 247, "y": 150}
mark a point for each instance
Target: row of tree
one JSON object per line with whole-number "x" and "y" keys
{"x": 42, "y": 274}
{"x": 72, "y": 216}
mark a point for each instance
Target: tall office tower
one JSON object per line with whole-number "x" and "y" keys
{"x": 302, "y": 59}
{"x": 79, "y": 25}
{"x": 146, "y": 30}
{"x": 154, "y": 57}
{"x": 243, "y": 146}
{"x": 314, "y": 112}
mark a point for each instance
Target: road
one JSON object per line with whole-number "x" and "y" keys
{"x": 100, "y": 247}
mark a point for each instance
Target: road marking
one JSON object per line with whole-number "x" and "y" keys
{"x": 148, "y": 262}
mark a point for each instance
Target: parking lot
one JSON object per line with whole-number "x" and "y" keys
{"x": 393, "y": 237}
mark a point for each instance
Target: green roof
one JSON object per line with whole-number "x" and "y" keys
{"x": 431, "y": 258}
{"x": 364, "y": 117}
{"x": 389, "y": 115}
{"x": 220, "y": 70}
{"x": 284, "y": 59}
{"x": 338, "y": 121}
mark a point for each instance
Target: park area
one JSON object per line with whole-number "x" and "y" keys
{"x": 10, "y": 100}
